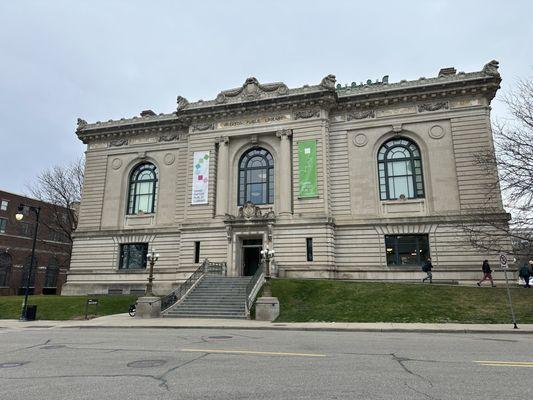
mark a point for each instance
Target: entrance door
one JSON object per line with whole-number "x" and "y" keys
{"x": 251, "y": 255}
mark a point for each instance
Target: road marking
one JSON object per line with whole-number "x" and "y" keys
{"x": 262, "y": 353}
{"x": 523, "y": 364}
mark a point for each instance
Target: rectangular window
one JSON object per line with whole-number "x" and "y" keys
{"x": 196, "y": 252}
{"x": 133, "y": 256}
{"x": 3, "y": 224}
{"x": 409, "y": 250}
{"x": 309, "y": 247}
{"x": 26, "y": 229}
{"x": 3, "y": 205}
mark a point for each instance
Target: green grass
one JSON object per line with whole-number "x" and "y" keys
{"x": 64, "y": 307}
{"x": 326, "y": 300}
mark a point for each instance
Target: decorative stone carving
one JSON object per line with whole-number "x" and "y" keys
{"x": 491, "y": 68}
{"x": 305, "y": 114}
{"x": 148, "y": 113}
{"x": 116, "y": 163}
{"x": 252, "y": 90}
{"x": 141, "y": 155}
{"x": 361, "y": 115}
{"x": 118, "y": 143}
{"x": 397, "y": 128}
{"x": 81, "y": 124}
{"x": 205, "y": 126}
{"x": 328, "y": 82}
{"x": 254, "y": 139}
{"x": 441, "y": 105}
{"x": 222, "y": 140}
{"x": 169, "y": 159}
{"x": 182, "y": 102}
{"x": 360, "y": 140}
{"x": 249, "y": 211}
{"x": 284, "y": 133}
{"x": 168, "y": 138}
{"x": 436, "y": 132}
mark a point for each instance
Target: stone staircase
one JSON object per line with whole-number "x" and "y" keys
{"x": 213, "y": 297}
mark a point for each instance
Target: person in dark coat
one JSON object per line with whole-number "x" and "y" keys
{"x": 427, "y": 267}
{"x": 525, "y": 273}
{"x": 487, "y": 273}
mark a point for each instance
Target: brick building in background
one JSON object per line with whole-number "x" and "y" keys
{"x": 52, "y": 251}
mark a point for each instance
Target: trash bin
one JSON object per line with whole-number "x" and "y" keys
{"x": 31, "y": 311}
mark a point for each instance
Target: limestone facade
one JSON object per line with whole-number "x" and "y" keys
{"x": 356, "y": 231}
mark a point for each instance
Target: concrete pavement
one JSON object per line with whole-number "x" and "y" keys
{"x": 125, "y": 321}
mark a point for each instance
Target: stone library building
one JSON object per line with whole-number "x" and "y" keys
{"x": 360, "y": 181}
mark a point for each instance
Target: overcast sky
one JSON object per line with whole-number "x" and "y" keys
{"x": 100, "y": 60}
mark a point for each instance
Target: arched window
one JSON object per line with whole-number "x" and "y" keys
{"x": 400, "y": 170}
{"x": 5, "y": 268}
{"x": 27, "y": 263}
{"x": 52, "y": 270}
{"x": 142, "y": 189}
{"x": 256, "y": 177}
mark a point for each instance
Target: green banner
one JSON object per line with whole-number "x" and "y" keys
{"x": 307, "y": 168}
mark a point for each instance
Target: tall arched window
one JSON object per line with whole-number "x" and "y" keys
{"x": 142, "y": 189}
{"x": 52, "y": 270}
{"x": 256, "y": 177}
{"x": 400, "y": 170}
{"x": 5, "y": 268}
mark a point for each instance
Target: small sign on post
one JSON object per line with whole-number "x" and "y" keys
{"x": 91, "y": 302}
{"x": 504, "y": 264}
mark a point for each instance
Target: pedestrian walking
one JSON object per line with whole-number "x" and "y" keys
{"x": 427, "y": 267}
{"x": 487, "y": 273}
{"x": 525, "y": 273}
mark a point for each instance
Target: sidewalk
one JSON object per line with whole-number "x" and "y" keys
{"x": 125, "y": 321}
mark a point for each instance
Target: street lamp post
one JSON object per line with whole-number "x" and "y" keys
{"x": 267, "y": 256}
{"x": 19, "y": 216}
{"x": 152, "y": 258}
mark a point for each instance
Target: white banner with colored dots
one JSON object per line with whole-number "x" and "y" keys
{"x": 200, "y": 177}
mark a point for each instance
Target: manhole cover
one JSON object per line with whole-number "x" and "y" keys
{"x": 146, "y": 363}
{"x": 220, "y": 337}
{"x": 11, "y": 365}
{"x": 53, "y": 346}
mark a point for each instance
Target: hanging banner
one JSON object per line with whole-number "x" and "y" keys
{"x": 307, "y": 168}
{"x": 200, "y": 177}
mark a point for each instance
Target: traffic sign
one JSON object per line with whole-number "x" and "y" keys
{"x": 503, "y": 261}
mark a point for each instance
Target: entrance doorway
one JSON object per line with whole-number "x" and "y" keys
{"x": 251, "y": 256}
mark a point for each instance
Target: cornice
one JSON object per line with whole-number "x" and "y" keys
{"x": 253, "y": 97}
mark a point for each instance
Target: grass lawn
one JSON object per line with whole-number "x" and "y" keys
{"x": 64, "y": 307}
{"x": 326, "y": 300}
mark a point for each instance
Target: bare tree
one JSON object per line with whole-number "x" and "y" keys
{"x": 513, "y": 159}
{"x": 61, "y": 187}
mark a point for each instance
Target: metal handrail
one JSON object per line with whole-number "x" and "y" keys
{"x": 178, "y": 293}
{"x": 205, "y": 268}
{"x": 251, "y": 286}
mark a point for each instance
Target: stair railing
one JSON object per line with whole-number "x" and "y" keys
{"x": 178, "y": 293}
{"x": 253, "y": 287}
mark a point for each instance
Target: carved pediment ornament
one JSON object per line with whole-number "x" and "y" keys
{"x": 328, "y": 82}
{"x": 118, "y": 143}
{"x": 81, "y": 124}
{"x": 305, "y": 114}
{"x": 361, "y": 115}
{"x": 441, "y": 105}
{"x": 203, "y": 126}
{"x": 252, "y": 90}
{"x": 250, "y": 211}
{"x": 168, "y": 138}
{"x": 491, "y": 68}
{"x": 182, "y": 102}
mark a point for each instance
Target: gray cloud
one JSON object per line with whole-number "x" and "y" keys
{"x": 110, "y": 59}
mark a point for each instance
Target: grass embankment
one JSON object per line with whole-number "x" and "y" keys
{"x": 65, "y": 307}
{"x": 324, "y": 300}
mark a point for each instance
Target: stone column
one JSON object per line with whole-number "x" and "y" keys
{"x": 285, "y": 172}
{"x": 222, "y": 176}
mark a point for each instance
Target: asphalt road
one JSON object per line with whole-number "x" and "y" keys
{"x": 54, "y": 363}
